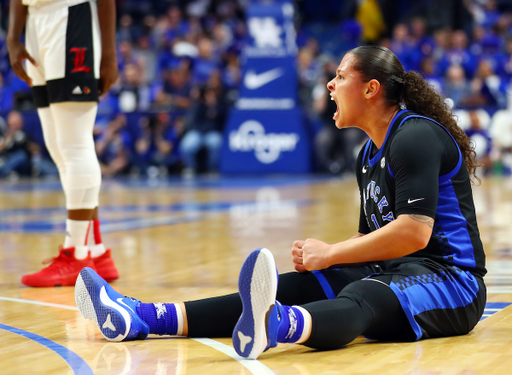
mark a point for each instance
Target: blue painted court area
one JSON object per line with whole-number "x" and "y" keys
{"x": 50, "y": 220}
{"x": 77, "y": 364}
{"x": 222, "y": 182}
{"x": 130, "y": 217}
{"x": 492, "y": 308}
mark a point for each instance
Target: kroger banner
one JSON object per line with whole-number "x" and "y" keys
{"x": 264, "y": 132}
{"x": 266, "y": 141}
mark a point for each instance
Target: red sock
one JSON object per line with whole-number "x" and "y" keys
{"x": 98, "y": 248}
{"x": 97, "y": 233}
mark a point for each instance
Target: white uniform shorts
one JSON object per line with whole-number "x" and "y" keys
{"x": 64, "y": 39}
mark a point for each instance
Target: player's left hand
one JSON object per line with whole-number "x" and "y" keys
{"x": 315, "y": 254}
{"x": 108, "y": 73}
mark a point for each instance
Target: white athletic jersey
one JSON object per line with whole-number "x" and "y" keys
{"x": 32, "y": 3}
{"x": 39, "y": 3}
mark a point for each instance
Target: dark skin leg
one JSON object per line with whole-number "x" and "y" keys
{"x": 83, "y": 215}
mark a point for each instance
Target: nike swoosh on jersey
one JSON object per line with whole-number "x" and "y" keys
{"x": 414, "y": 200}
{"x": 254, "y": 81}
{"x": 364, "y": 169}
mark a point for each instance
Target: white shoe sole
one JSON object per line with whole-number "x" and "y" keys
{"x": 257, "y": 285}
{"x": 94, "y": 303}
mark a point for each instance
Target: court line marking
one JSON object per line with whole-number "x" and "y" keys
{"x": 39, "y": 303}
{"x": 254, "y": 366}
{"x": 77, "y": 363}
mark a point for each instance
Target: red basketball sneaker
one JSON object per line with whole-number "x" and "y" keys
{"x": 62, "y": 272}
{"x": 105, "y": 266}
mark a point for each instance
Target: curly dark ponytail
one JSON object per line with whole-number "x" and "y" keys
{"x": 411, "y": 90}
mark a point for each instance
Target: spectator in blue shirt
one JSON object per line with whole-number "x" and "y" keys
{"x": 203, "y": 128}
{"x": 475, "y": 46}
{"x": 487, "y": 89}
{"x": 113, "y": 147}
{"x": 482, "y": 141}
{"x": 168, "y": 132}
{"x": 422, "y": 45}
{"x": 492, "y": 52}
{"x": 458, "y": 54}
{"x": 176, "y": 26}
{"x": 157, "y": 147}
{"x": 132, "y": 93}
{"x": 174, "y": 94}
{"x": 490, "y": 14}
{"x": 456, "y": 86}
{"x": 126, "y": 56}
{"x": 205, "y": 63}
{"x": 401, "y": 44}
{"x": 427, "y": 71}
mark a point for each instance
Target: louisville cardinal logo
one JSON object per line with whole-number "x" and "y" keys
{"x": 78, "y": 60}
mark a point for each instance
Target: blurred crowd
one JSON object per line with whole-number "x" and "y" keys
{"x": 180, "y": 70}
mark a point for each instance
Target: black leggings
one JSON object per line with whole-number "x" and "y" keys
{"x": 362, "y": 307}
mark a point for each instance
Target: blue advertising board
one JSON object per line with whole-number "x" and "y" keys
{"x": 265, "y": 132}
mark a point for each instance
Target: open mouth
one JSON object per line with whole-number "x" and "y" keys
{"x": 337, "y": 110}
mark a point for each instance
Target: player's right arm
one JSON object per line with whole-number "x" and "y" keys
{"x": 108, "y": 66}
{"x": 17, "y": 51}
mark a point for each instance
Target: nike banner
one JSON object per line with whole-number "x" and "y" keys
{"x": 264, "y": 132}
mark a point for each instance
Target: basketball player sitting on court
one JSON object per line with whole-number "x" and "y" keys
{"x": 70, "y": 48}
{"x": 414, "y": 271}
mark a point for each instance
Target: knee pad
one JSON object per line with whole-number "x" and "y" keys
{"x": 50, "y": 138}
{"x": 74, "y": 123}
{"x": 81, "y": 164}
{"x": 82, "y": 199}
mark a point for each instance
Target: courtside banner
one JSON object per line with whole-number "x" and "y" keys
{"x": 265, "y": 142}
{"x": 264, "y": 132}
{"x": 269, "y": 66}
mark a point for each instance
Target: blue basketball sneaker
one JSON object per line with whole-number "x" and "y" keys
{"x": 114, "y": 314}
{"x": 256, "y": 330}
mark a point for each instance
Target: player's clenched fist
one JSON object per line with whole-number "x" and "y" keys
{"x": 315, "y": 255}
{"x": 297, "y": 255}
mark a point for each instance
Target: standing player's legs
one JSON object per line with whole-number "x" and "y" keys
{"x": 62, "y": 41}
{"x": 67, "y": 129}
{"x": 74, "y": 123}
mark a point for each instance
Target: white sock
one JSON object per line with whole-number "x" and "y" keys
{"x": 306, "y": 332}
{"x": 97, "y": 250}
{"x": 76, "y": 236}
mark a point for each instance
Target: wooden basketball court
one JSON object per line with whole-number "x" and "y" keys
{"x": 177, "y": 240}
